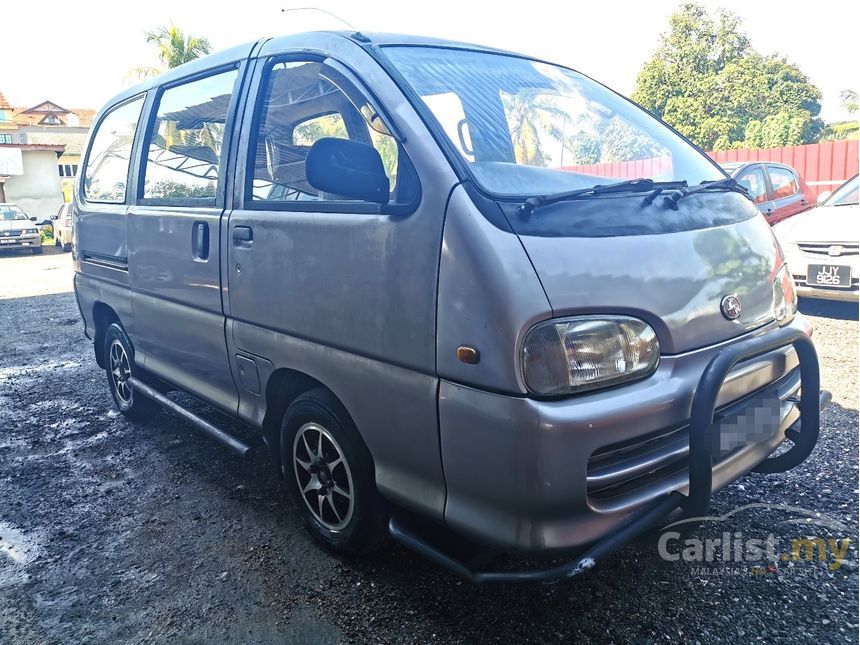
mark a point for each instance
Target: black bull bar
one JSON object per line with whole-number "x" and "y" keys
{"x": 704, "y": 445}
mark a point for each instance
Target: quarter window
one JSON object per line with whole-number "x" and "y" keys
{"x": 783, "y": 182}
{"x": 186, "y": 138}
{"x": 303, "y": 102}
{"x": 106, "y": 171}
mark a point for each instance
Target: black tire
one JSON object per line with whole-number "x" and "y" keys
{"x": 57, "y": 241}
{"x": 135, "y": 406}
{"x": 37, "y": 250}
{"x": 67, "y": 248}
{"x": 347, "y": 528}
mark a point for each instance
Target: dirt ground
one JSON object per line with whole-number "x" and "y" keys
{"x": 111, "y": 532}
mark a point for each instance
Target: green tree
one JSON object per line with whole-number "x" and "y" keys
{"x": 173, "y": 48}
{"x": 532, "y": 118}
{"x": 849, "y": 101}
{"x": 707, "y": 81}
{"x": 844, "y": 129}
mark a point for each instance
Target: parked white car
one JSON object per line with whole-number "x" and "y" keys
{"x": 62, "y": 225}
{"x": 821, "y": 246}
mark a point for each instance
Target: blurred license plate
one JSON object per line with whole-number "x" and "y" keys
{"x": 757, "y": 421}
{"x": 828, "y": 275}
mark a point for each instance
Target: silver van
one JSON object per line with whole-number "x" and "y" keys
{"x": 471, "y": 300}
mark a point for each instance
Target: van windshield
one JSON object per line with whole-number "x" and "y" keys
{"x": 528, "y": 128}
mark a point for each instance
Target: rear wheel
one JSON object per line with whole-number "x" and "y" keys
{"x": 329, "y": 473}
{"x": 67, "y": 248}
{"x": 119, "y": 366}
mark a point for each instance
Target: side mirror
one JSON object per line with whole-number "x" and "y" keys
{"x": 32, "y": 219}
{"x": 823, "y": 196}
{"x": 348, "y": 169}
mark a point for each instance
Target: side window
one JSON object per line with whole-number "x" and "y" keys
{"x": 300, "y": 103}
{"x": 783, "y": 182}
{"x": 753, "y": 180}
{"x": 185, "y": 142}
{"x": 106, "y": 173}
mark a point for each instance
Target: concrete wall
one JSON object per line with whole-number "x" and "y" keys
{"x": 37, "y": 192}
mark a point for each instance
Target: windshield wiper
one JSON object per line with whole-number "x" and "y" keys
{"x": 728, "y": 183}
{"x": 630, "y": 185}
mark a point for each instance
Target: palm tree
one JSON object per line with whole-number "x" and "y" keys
{"x": 849, "y": 101}
{"x": 174, "y": 48}
{"x": 530, "y": 117}
{"x": 537, "y": 120}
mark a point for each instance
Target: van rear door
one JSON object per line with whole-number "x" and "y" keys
{"x": 173, "y": 235}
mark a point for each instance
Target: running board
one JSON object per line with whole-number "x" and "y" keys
{"x": 201, "y": 424}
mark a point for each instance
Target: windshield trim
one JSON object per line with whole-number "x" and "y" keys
{"x": 460, "y": 166}
{"x": 832, "y": 198}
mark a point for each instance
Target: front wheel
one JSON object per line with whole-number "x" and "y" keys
{"x": 119, "y": 365}
{"x": 329, "y": 474}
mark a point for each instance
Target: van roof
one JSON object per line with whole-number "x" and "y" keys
{"x": 238, "y": 52}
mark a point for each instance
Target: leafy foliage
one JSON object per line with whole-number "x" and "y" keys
{"x": 841, "y": 130}
{"x": 849, "y": 101}
{"x": 707, "y": 81}
{"x": 173, "y": 47}
{"x": 537, "y": 122}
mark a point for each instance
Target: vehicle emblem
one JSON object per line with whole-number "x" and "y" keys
{"x": 731, "y": 307}
{"x": 835, "y": 250}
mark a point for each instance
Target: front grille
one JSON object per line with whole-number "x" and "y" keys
{"x": 637, "y": 466}
{"x": 824, "y": 248}
{"x": 12, "y": 233}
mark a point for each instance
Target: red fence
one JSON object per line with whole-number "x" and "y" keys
{"x": 824, "y": 166}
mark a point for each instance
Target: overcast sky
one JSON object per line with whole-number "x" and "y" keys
{"x": 77, "y": 54}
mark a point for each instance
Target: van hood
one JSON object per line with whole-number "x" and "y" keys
{"x": 675, "y": 281}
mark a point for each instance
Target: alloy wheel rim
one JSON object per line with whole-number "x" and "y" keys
{"x": 323, "y": 476}
{"x": 120, "y": 372}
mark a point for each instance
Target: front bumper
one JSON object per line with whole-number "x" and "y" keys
{"x": 517, "y": 469}
{"x": 20, "y": 242}
{"x": 841, "y": 295}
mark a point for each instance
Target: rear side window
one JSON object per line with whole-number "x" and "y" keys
{"x": 185, "y": 141}
{"x": 753, "y": 180}
{"x": 302, "y": 102}
{"x": 782, "y": 181}
{"x": 106, "y": 173}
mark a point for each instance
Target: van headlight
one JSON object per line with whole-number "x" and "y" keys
{"x": 784, "y": 296}
{"x": 582, "y": 353}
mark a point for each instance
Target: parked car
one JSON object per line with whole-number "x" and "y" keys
{"x": 17, "y": 231}
{"x": 821, "y": 246}
{"x": 62, "y": 227}
{"x": 348, "y": 243}
{"x": 777, "y": 190}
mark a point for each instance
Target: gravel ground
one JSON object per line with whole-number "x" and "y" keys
{"x": 116, "y": 533}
